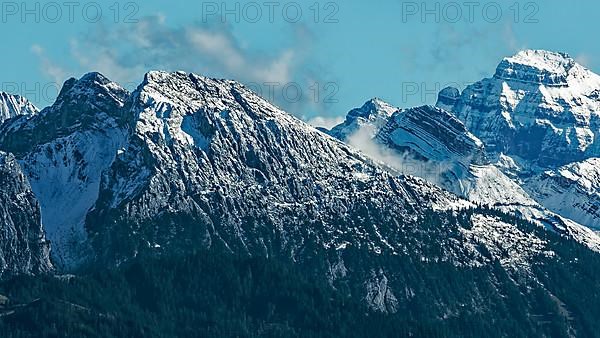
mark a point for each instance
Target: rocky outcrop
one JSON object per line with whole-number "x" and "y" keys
{"x": 23, "y": 246}
{"x": 435, "y": 137}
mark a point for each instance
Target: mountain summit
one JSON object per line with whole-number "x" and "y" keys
{"x": 540, "y": 106}
{"x": 368, "y": 119}
{"x": 540, "y": 67}
{"x": 210, "y": 164}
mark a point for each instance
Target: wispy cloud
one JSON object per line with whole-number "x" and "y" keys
{"x": 583, "y": 59}
{"x": 124, "y": 53}
{"x": 363, "y": 139}
{"x": 325, "y": 122}
{"x": 451, "y": 42}
{"x": 403, "y": 162}
{"x": 48, "y": 67}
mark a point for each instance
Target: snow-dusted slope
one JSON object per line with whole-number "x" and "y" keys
{"x": 366, "y": 120}
{"x": 501, "y": 237}
{"x": 15, "y": 105}
{"x": 540, "y": 106}
{"x": 23, "y": 246}
{"x": 63, "y": 150}
{"x": 572, "y": 190}
{"x": 237, "y": 172}
{"x": 488, "y": 185}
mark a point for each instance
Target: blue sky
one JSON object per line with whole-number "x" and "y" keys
{"x": 320, "y": 63}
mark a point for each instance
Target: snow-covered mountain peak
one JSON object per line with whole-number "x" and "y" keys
{"x": 373, "y": 107}
{"x": 368, "y": 119}
{"x": 540, "y": 106}
{"x": 92, "y": 88}
{"x": 237, "y": 172}
{"x": 63, "y": 151}
{"x": 15, "y": 105}
{"x": 91, "y": 97}
{"x": 170, "y": 99}
{"x": 544, "y": 68}
{"x": 177, "y": 88}
{"x": 554, "y": 62}
{"x": 92, "y": 101}
{"x": 181, "y": 87}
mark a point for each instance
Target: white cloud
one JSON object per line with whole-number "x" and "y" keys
{"x": 363, "y": 140}
{"x": 49, "y": 68}
{"x": 124, "y": 53}
{"x": 216, "y": 45}
{"x": 325, "y": 122}
{"x": 583, "y": 59}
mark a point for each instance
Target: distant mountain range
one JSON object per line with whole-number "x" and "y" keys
{"x": 499, "y": 181}
{"x": 525, "y": 139}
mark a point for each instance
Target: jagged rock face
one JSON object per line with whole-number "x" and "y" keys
{"x": 537, "y": 67}
{"x": 572, "y": 190}
{"x": 432, "y": 143}
{"x": 15, "y": 105}
{"x": 540, "y": 106}
{"x": 63, "y": 151}
{"x": 380, "y": 296}
{"x": 23, "y": 246}
{"x": 434, "y": 134}
{"x": 209, "y": 163}
{"x": 368, "y": 119}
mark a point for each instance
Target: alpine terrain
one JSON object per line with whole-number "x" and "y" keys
{"x": 194, "y": 207}
{"x": 538, "y": 115}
